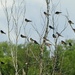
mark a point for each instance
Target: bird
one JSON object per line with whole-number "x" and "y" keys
{"x": 2, "y": 62}
{"x": 34, "y": 41}
{"x": 2, "y": 32}
{"x": 51, "y": 27}
{"x": 23, "y": 36}
{"x": 27, "y": 20}
{"x": 58, "y": 34}
{"x": 46, "y": 14}
{"x": 45, "y": 39}
{"x": 48, "y": 44}
{"x": 54, "y": 36}
{"x": 63, "y": 42}
{"x": 70, "y": 44}
{"x": 57, "y": 12}
{"x": 31, "y": 39}
{"x": 73, "y": 29}
{"x": 70, "y": 22}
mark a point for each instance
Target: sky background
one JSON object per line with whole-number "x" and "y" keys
{"x": 34, "y": 12}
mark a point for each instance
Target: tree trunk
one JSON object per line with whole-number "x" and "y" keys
{"x": 45, "y": 35}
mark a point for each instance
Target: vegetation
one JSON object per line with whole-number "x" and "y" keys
{"x": 28, "y": 59}
{"x": 45, "y": 57}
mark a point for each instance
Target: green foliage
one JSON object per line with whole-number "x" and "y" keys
{"x": 29, "y": 59}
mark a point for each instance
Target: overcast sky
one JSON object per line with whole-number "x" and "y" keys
{"x": 34, "y": 9}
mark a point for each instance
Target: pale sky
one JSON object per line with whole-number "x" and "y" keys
{"x": 34, "y": 10}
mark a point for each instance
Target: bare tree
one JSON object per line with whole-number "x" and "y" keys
{"x": 15, "y": 15}
{"x": 45, "y": 36}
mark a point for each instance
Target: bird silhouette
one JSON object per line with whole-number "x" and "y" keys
{"x": 31, "y": 39}
{"x": 73, "y": 29}
{"x": 45, "y": 39}
{"x": 2, "y": 32}
{"x": 2, "y": 62}
{"x": 46, "y": 14}
{"x": 51, "y": 27}
{"x": 70, "y": 22}
{"x": 70, "y": 44}
{"x": 57, "y": 12}
{"x": 48, "y": 44}
{"x": 63, "y": 42}
{"x": 34, "y": 41}
{"x": 23, "y": 36}
{"x": 54, "y": 36}
{"x": 58, "y": 34}
{"x": 28, "y": 20}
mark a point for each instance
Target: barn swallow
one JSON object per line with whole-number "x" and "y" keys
{"x": 70, "y": 44}
{"x": 46, "y": 14}
{"x": 57, "y": 12}
{"x": 48, "y": 44}
{"x": 23, "y": 36}
{"x": 2, "y": 32}
{"x": 58, "y": 34}
{"x": 28, "y": 20}
{"x": 51, "y": 27}
{"x": 54, "y": 36}
{"x": 70, "y": 22}
{"x": 63, "y": 42}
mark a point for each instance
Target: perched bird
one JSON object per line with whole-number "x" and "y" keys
{"x": 46, "y": 14}
{"x": 48, "y": 44}
{"x": 34, "y": 41}
{"x": 54, "y": 36}
{"x": 58, "y": 34}
{"x": 2, "y": 32}
{"x": 45, "y": 39}
{"x": 70, "y": 22}
{"x": 28, "y": 20}
{"x": 73, "y": 29}
{"x": 57, "y": 12}
{"x": 23, "y": 36}
{"x": 51, "y": 27}
{"x": 63, "y": 42}
{"x": 70, "y": 44}
{"x": 31, "y": 39}
{"x": 2, "y": 62}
